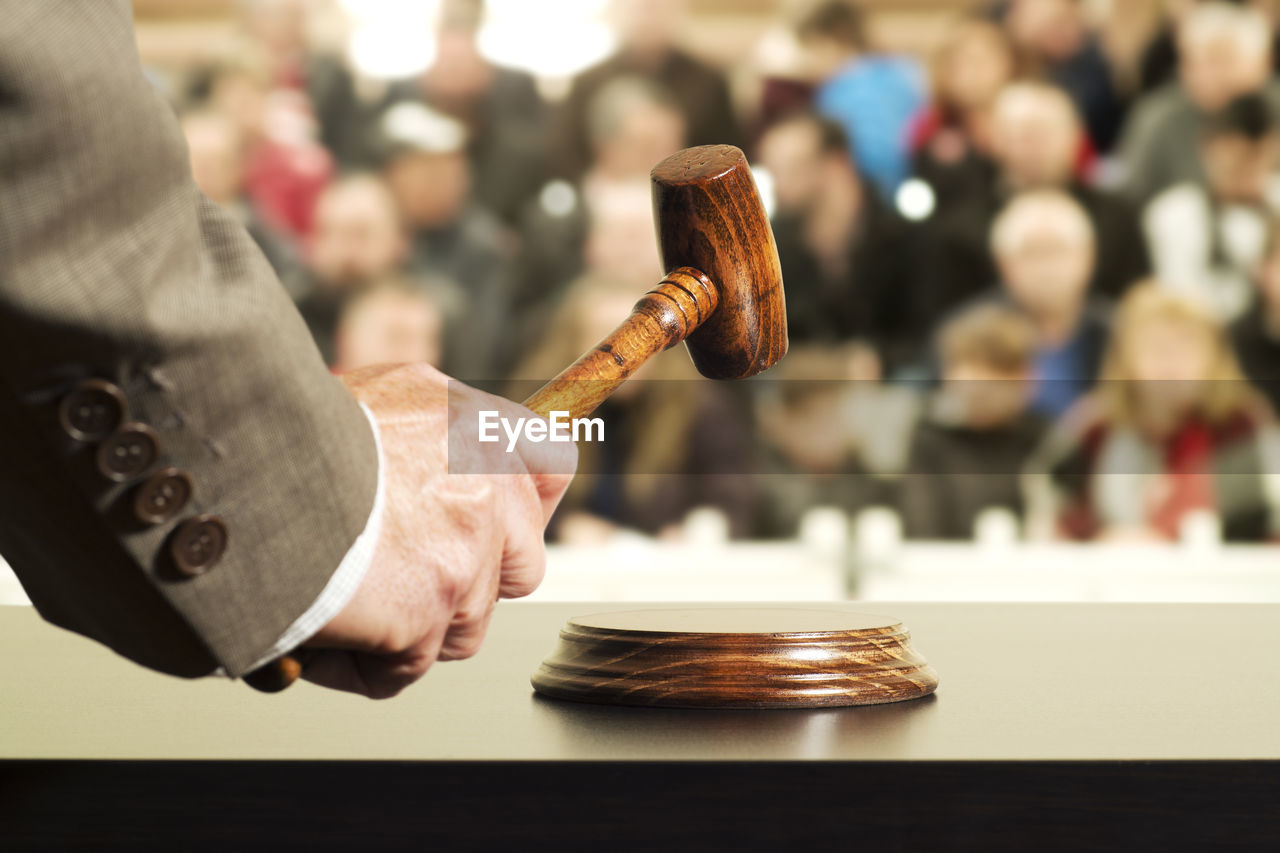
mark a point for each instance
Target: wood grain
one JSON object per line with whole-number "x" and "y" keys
{"x": 759, "y": 659}
{"x": 709, "y": 216}
{"x": 661, "y": 319}
{"x": 722, "y": 294}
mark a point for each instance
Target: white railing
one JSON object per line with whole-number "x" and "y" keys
{"x": 866, "y": 559}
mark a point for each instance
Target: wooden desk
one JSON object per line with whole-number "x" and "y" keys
{"x": 1068, "y": 722}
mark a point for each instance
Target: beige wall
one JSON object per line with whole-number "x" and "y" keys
{"x": 178, "y": 33}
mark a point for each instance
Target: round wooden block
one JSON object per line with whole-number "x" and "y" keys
{"x": 735, "y": 658}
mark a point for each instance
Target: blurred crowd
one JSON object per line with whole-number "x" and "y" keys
{"x": 1037, "y": 270}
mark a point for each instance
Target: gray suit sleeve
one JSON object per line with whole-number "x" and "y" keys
{"x": 114, "y": 267}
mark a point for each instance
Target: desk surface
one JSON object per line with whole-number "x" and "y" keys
{"x": 1018, "y": 682}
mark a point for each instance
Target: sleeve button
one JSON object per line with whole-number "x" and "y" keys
{"x": 128, "y": 452}
{"x": 163, "y": 496}
{"x": 198, "y": 544}
{"x": 92, "y": 411}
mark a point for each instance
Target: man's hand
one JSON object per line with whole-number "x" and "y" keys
{"x": 451, "y": 544}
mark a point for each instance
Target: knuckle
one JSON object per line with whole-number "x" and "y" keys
{"x": 480, "y": 491}
{"x": 526, "y": 581}
{"x": 387, "y": 646}
{"x": 518, "y": 588}
{"x": 461, "y": 648}
{"x": 521, "y": 589}
{"x": 469, "y": 617}
{"x": 396, "y": 640}
{"x": 467, "y": 631}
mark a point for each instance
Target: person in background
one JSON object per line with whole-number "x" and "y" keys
{"x": 648, "y": 31}
{"x": 617, "y": 253}
{"x": 286, "y": 168}
{"x": 1043, "y": 244}
{"x": 1037, "y": 139}
{"x": 217, "y": 164}
{"x": 1209, "y": 239}
{"x": 1256, "y": 334}
{"x": 1225, "y": 52}
{"x": 1173, "y": 429}
{"x": 505, "y": 116}
{"x": 969, "y": 449}
{"x": 358, "y": 240}
{"x": 619, "y": 247}
{"x": 632, "y": 125}
{"x": 873, "y": 96}
{"x": 451, "y": 238}
{"x": 674, "y": 441}
{"x": 1057, "y": 36}
{"x": 390, "y": 322}
{"x": 1158, "y": 63}
{"x": 951, "y": 137}
{"x": 277, "y": 31}
{"x": 810, "y": 453}
{"x": 1128, "y": 32}
{"x": 1036, "y": 142}
{"x": 846, "y": 256}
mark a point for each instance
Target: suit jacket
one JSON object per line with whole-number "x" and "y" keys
{"x": 115, "y": 270}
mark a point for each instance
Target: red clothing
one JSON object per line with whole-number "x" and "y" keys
{"x": 930, "y": 122}
{"x": 287, "y": 170}
{"x": 285, "y": 181}
{"x": 1187, "y": 478}
{"x": 1202, "y": 466}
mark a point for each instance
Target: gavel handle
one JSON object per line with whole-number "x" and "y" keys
{"x": 280, "y": 673}
{"x": 663, "y": 317}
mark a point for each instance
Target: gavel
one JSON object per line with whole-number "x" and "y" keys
{"x": 722, "y": 295}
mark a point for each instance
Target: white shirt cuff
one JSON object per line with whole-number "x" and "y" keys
{"x": 345, "y": 581}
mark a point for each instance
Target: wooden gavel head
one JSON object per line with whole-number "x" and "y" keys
{"x": 709, "y": 218}
{"x": 722, "y": 294}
